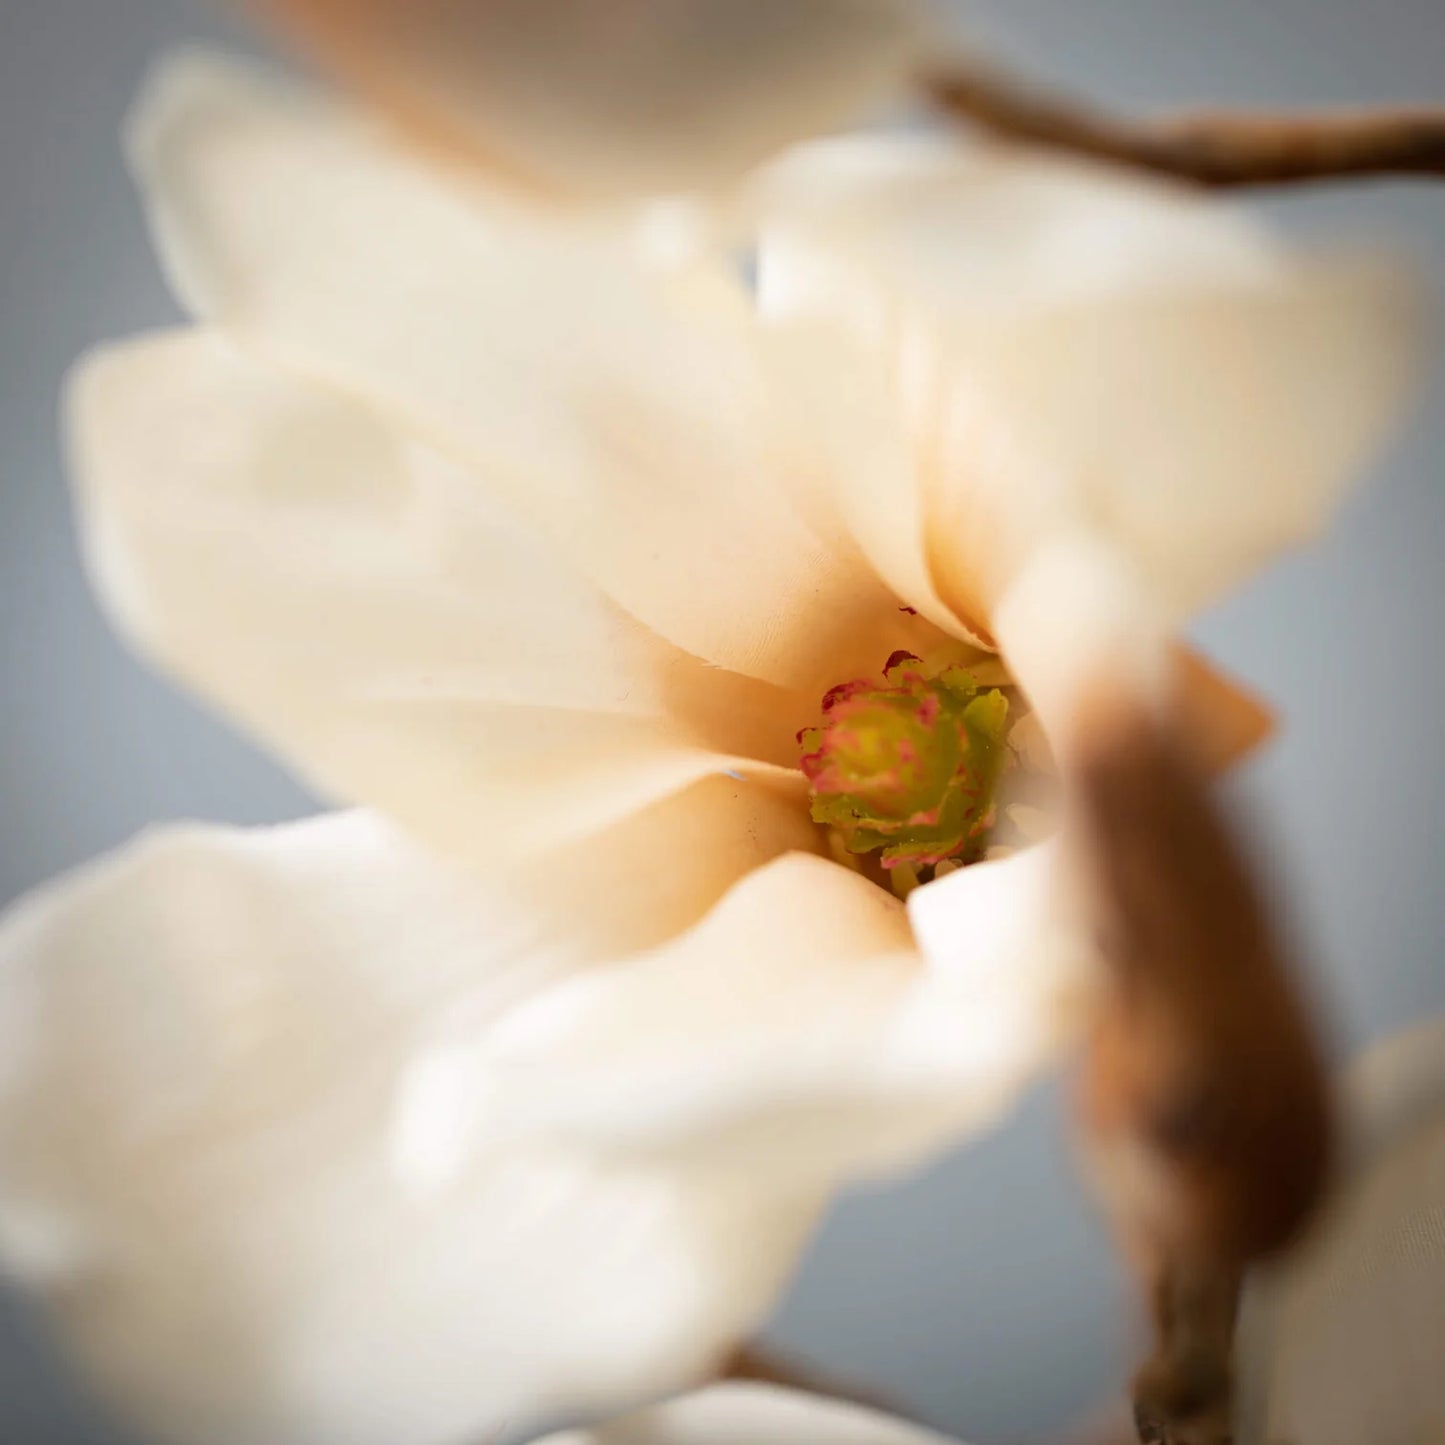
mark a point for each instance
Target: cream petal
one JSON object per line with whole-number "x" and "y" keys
{"x": 793, "y": 1031}
{"x": 1002, "y": 942}
{"x": 364, "y": 606}
{"x": 1080, "y": 629}
{"x": 1080, "y": 349}
{"x": 975, "y": 923}
{"x": 207, "y": 1037}
{"x": 1345, "y": 1346}
{"x": 865, "y": 483}
{"x": 745, "y": 1414}
{"x": 650, "y": 96}
{"x": 1396, "y": 1084}
{"x": 657, "y": 872}
{"x": 1200, "y": 433}
{"x": 642, "y": 434}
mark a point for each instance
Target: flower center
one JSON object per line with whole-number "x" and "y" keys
{"x": 908, "y": 771}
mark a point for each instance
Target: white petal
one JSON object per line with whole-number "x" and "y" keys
{"x": 1348, "y": 1348}
{"x": 206, "y": 1038}
{"x": 1398, "y": 1083}
{"x": 1077, "y": 348}
{"x": 743, "y": 1414}
{"x": 643, "y": 438}
{"x": 1078, "y": 626}
{"x": 867, "y": 481}
{"x": 366, "y": 607}
{"x": 1002, "y": 946}
{"x": 793, "y": 1031}
{"x": 649, "y": 95}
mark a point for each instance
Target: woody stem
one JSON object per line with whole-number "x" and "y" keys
{"x": 1207, "y": 148}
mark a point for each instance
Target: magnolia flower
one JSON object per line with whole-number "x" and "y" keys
{"x": 667, "y": 628}
{"x": 1343, "y": 1340}
{"x": 623, "y": 97}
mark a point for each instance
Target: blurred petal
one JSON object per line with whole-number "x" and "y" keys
{"x": 1397, "y": 1084}
{"x": 1224, "y": 720}
{"x": 740, "y": 1414}
{"x": 643, "y": 437}
{"x": 631, "y": 96}
{"x": 1349, "y": 1348}
{"x": 366, "y": 607}
{"x": 1200, "y": 433}
{"x": 794, "y": 1031}
{"x": 1082, "y": 349}
{"x": 206, "y": 1042}
{"x": 1080, "y": 632}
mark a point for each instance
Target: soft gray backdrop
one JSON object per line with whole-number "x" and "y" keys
{"x": 983, "y": 1293}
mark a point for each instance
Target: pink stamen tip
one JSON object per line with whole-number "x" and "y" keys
{"x": 843, "y": 691}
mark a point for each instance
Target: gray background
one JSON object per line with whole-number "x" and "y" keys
{"x": 983, "y": 1293}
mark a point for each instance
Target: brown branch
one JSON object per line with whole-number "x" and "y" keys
{"x": 1208, "y": 148}
{"x": 1203, "y": 1099}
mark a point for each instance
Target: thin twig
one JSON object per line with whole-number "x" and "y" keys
{"x": 1208, "y": 148}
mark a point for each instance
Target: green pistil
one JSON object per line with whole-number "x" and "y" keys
{"x": 908, "y": 770}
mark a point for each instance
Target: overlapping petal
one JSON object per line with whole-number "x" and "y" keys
{"x": 371, "y": 611}
{"x": 242, "y": 1164}
{"x": 208, "y": 1041}
{"x": 643, "y": 436}
{"x": 795, "y": 1029}
{"x": 757, "y": 1414}
{"x": 1074, "y": 349}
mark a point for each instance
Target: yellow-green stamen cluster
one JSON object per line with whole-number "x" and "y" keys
{"x": 909, "y": 769}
